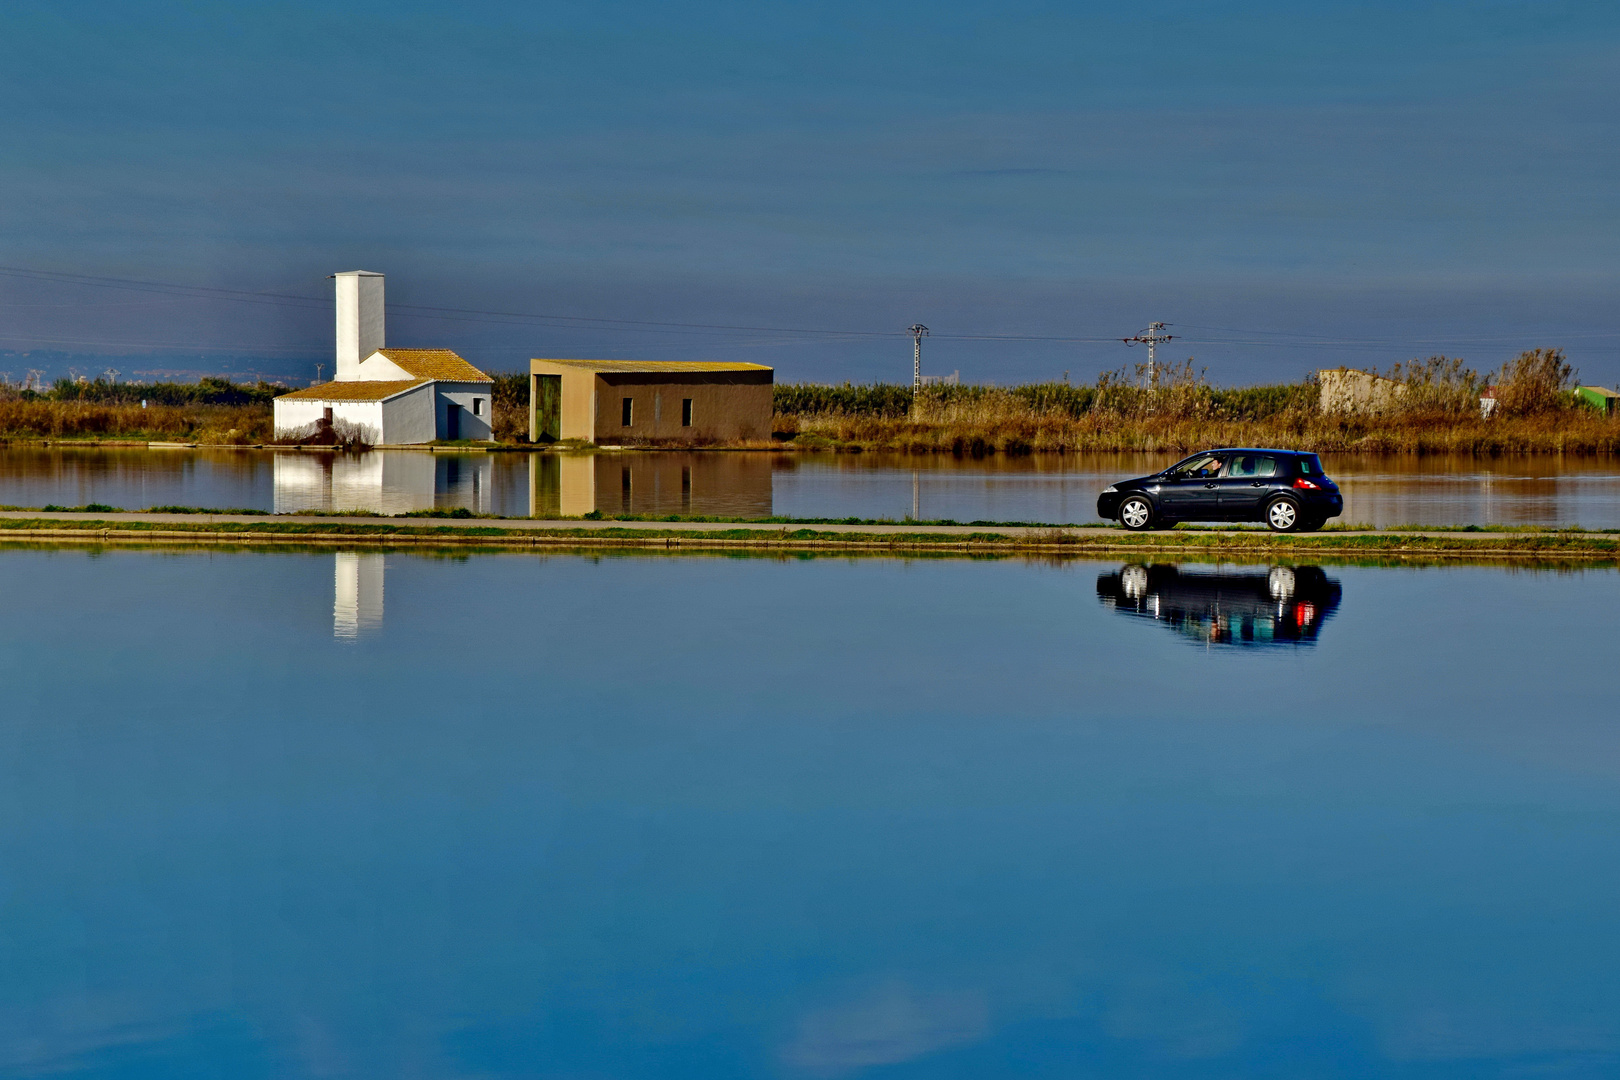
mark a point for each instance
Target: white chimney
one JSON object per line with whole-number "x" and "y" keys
{"x": 359, "y": 320}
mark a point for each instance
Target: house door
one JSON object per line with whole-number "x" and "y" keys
{"x": 452, "y": 420}
{"x": 546, "y": 423}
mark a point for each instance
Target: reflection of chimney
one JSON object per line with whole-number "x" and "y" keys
{"x": 357, "y": 594}
{"x": 359, "y": 320}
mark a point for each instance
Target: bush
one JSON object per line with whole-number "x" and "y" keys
{"x": 205, "y": 391}
{"x": 509, "y": 415}
{"x": 1536, "y": 381}
{"x": 874, "y": 399}
{"x": 1438, "y": 385}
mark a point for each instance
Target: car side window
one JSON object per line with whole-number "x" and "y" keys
{"x": 1239, "y": 465}
{"x": 1251, "y": 465}
{"x": 1200, "y": 468}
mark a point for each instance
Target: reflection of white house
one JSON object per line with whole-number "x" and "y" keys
{"x": 382, "y": 481}
{"x": 357, "y": 594}
{"x": 393, "y": 396}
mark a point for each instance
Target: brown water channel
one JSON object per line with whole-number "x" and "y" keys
{"x": 1529, "y": 490}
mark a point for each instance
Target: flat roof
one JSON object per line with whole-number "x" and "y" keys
{"x": 651, "y": 367}
{"x": 353, "y": 391}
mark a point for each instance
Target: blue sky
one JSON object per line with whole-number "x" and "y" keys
{"x": 1289, "y": 185}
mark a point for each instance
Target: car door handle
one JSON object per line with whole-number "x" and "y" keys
{"x": 1258, "y": 483}
{"x": 1209, "y": 485}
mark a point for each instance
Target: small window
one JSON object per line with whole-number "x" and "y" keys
{"x": 478, "y": 406}
{"x": 628, "y": 403}
{"x": 686, "y": 412}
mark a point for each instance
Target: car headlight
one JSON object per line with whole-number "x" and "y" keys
{"x": 1109, "y": 488}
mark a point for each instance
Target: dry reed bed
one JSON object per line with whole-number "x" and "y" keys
{"x": 999, "y": 424}
{"x": 79, "y": 420}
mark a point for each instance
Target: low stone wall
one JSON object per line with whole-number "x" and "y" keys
{"x": 1346, "y": 390}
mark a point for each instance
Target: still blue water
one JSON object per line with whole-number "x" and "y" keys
{"x": 309, "y": 815}
{"x": 1391, "y": 490}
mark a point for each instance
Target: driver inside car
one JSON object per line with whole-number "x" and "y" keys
{"x": 1203, "y": 469}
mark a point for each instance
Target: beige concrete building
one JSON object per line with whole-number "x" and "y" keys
{"x": 648, "y": 401}
{"x": 1346, "y": 390}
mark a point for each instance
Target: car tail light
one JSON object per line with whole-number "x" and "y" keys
{"x": 1305, "y": 485}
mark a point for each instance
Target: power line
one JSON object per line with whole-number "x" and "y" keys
{"x": 1252, "y": 338}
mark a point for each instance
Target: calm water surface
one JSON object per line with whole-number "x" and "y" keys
{"x": 308, "y": 815}
{"x": 1050, "y": 488}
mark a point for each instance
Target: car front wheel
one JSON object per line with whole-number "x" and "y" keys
{"x": 1283, "y": 515}
{"x": 1136, "y": 513}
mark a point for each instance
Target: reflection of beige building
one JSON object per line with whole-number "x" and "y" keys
{"x": 382, "y": 481}
{"x": 573, "y": 485}
{"x": 618, "y": 401}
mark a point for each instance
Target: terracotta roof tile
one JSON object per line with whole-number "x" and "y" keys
{"x": 435, "y": 364}
{"x": 352, "y": 391}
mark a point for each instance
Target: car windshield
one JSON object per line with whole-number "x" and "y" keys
{"x": 1255, "y": 465}
{"x": 1197, "y": 467}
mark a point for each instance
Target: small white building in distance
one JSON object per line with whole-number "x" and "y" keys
{"x": 391, "y": 397}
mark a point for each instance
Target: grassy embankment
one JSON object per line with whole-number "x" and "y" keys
{"x": 1536, "y": 413}
{"x": 1562, "y": 547}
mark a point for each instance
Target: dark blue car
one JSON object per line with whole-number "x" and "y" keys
{"x": 1286, "y": 489}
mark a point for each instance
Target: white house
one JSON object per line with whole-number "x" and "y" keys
{"x": 392, "y": 397}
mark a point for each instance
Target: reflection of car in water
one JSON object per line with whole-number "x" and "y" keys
{"x": 1285, "y": 605}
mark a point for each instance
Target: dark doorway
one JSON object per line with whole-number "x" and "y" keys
{"x": 546, "y": 424}
{"x": 452, "y": 420}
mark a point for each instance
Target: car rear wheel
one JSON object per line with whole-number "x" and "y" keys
{"x": 1136, "y": 513}
{"x": 1283, "y": 515}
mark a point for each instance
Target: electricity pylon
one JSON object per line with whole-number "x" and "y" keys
{"x": 1151, "y": 337}
{"x": 917, "y": 331}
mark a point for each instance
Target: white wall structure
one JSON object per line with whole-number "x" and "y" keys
{"x": 359, "y": 320}
{"x": 392, "y": 397}
{"x": 411, "y": 417}
{"x": 295, "y": 416}
{"x": 474, "y": 402}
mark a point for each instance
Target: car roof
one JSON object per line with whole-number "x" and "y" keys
{"x": 1257, "y": 450}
